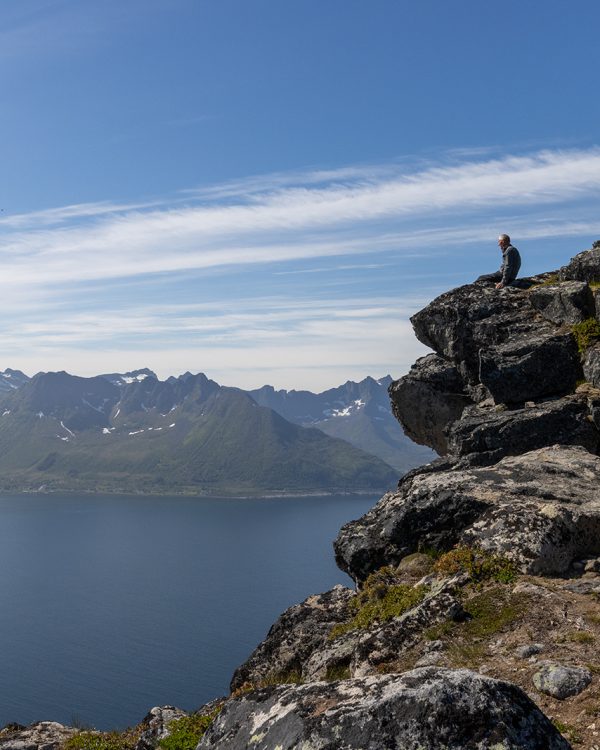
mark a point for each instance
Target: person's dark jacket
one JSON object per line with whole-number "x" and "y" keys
{"x": 511, "y": 263}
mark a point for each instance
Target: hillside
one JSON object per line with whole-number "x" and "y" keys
{"x": 359, "y": 413}
{"x": 134, "y": 433}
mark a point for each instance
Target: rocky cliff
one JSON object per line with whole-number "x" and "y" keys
{"x": 476, "y": 615}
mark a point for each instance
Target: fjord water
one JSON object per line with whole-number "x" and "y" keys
{"x": 111, "y": 605}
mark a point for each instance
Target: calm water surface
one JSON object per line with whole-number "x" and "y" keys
{"x": 112, "y": 605}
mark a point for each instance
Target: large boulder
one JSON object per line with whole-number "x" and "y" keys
{"x": 566, "y": 303}
{"x": 428, "y": 708}
{"x": 583, "y": 267}
{"x": 459, "y": 323}
{"x": 435, "y": 387}
{"x": 540, "y": 509}
{"x": 530, "y": 367}
{"x": 484, "y": 436}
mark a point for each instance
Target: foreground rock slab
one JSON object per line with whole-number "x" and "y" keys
{"x": 541, "y": 510}
{"x": 43, "y": 735}
{"x": 427, "y": 708}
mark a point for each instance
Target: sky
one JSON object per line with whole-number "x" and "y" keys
{"x": 265, "y": 191}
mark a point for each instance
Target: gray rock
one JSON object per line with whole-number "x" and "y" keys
{"x": 459, "y": 323}
{"x": 561, "y": 682}
{"x": 541, "y": 510}
{"x": 300, "y": 639}
{"x": 592, "y": 566}
{"x": 156, "y": 725}
{"x": 295, "y": 636}
{"x": 583, "y": 267}
{"x": 531, "y": 649}
{"x": 43, "y": 735}
{"x": 484, "y": 436}
{"x": 596, "y": 293}
{"x": 384, "y": 644}
{"x": 530, "y": 367}
{"x": 591, "y": 365}
{"x": 429, "y": 708}
{"x": 437, "y": 388}
{"x": 566, "y": 303}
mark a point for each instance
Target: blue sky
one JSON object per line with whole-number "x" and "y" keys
{"x": 265, "y": 190}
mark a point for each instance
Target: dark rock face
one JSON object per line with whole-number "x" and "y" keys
{"x": 504, "y": 349}
{"x": 428, "y": 708}
{"x": 459, "y": 323}
{"x": 530, "y": 367}
{"x": 484, "y": 436}
{"x": 437, "y": 387}
{"x": 295, "y": 636}
{"x": 591, "y": 365}
{"x": 569, "y": 302}
{"x": 583, "y": 267}
{"x": 541, "y": 510}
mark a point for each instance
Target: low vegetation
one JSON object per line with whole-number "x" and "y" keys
{"x": 586, "y": 333}
{"x": 381, "y": 599}
{"x": 89, "y": 740}
{"x": 185, "y": 733}
{"x": 479, "y": 564}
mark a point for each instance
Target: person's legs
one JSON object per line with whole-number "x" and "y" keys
{"x": 491, "y": 277}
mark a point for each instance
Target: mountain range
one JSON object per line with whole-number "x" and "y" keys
{"x": 131, "y": 432}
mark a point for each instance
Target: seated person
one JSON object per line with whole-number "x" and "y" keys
{"x": 511, "y": 263}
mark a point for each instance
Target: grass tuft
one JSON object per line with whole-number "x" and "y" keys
{"x": 586, "y": 333}
{"x": 479, "y": 564}
{"x": 185, "y": 733}
{"x": 379, "y": 601}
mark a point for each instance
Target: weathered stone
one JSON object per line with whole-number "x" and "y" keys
{"x": 43, "y": 735}
{"x": 560, "y": 681}
{"x": 427, "y": 400}
{"x": 591, "y": 365}
{"x": 592, "y": 566}
{"x": 459, "y": 323}
{"x": 531, "y": 367}
{"x": 541, "y": 509}
{"x": 566, "y": 303}
{"x": 385, "y": 643}
{"x": 297, "y": 633}
{"x": 156, "y": 725}
{"x": 531, "y": 649}
{"x": 429, "y": 708}
{"x": 596, "y": 293}
{"x": 484, "y": 436}
{"x": 300, "y": 643}
{"x": 583, "y": 267}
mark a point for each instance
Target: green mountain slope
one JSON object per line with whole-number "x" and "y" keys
{"x": 186, "y": 434}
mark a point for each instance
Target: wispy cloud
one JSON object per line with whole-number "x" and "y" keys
{"x": 78, "y": 278}
{"x": 292, "y": 223}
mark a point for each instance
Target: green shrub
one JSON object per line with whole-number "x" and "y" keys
{"x": 89, "y": 740}
{"x": 380, "y": 600}
{"x": 479, "y": 564}
{"x": 586, "y": 333}
{"x": 185, "y": 733}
